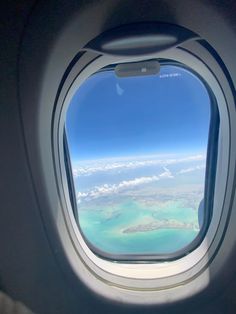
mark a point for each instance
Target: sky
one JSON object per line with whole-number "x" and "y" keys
{"x": 167, "y": 113}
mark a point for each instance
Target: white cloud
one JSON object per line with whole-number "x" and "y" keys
{"x": 191, "y": 169}
{"x": 137, "y": 181}
{"x": 166, "y": 174}
{"x": 102, "y": 166}
{"x": 107, "y": 189}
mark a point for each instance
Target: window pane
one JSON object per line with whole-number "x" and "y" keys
{"x": 138, "y": 148}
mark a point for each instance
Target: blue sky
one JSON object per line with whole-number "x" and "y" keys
{"x": 167, "y": 113}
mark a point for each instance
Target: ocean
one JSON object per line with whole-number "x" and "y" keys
{"x": 106, "y": 228}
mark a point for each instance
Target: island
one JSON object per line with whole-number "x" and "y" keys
{"x": 159, "y": 224}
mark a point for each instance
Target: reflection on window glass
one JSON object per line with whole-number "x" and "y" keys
{"x": 138, "y": 149}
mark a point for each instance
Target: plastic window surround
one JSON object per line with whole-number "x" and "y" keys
{"x": 208, "y": 193}
{"x": 161, "y": 275}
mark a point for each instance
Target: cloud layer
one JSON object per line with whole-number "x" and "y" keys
{"x": 107, "y": 189}
{"x": 99, "y": 166}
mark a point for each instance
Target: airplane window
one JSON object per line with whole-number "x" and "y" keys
{"x": 138, "y": 147}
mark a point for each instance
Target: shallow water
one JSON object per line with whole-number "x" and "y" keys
{"x": 104, "y": 228}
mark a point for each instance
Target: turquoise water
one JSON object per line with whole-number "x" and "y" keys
{"x": 104, "y": 228}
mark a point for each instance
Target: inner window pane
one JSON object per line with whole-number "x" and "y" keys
{"x": 138, "y": 148}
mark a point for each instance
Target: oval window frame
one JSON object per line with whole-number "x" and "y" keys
{"x": 209, "y": 183}
{"x": 157, "y": 276}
